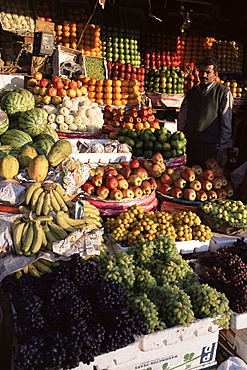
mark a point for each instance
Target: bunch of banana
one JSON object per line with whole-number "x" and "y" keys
{"x": 41, "y": 266}
{"x": 43, "y": 198}
{"x": 91, "y": 213}
{"x": 70, "y": 224}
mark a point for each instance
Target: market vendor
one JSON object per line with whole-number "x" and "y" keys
{"x": 206, "y": 116}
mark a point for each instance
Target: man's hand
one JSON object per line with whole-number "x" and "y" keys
{"x": 219, "y": 160}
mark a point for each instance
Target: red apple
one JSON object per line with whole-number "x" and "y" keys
{"x": 208, "y": 175}
{"x": 97, "y": 180}
{"x": 137, "y": 190}
{"x": 216, "y": 183}
{"x": 176, "y": 193}
{"x": 116, "y": 194}
{"x": 38, "y": 76}
{"x": 102, "y": 192}
{"x": 201, "y": 196}
{"x": 99, "y": 171}
{"x": 123, "y": 183}
{"x": 169, "y": 171}
{"x": 165, "y": 189}
{"x": 128, "y": 193}
{"x": 178, "y": 171}
{"x": 88, "y": 188}
{"x": 111, "y": 171}
{"x": 153, "y": 183}
{"x": 211, "y": 194}
{"x": 218, "y": 171}
{"x": 206, "y": 185}
{"x": 196, "y": 185}
{"x": 188, "y": 175}
{"x": 124, "y": 164}
{"x": 134, "y": 163}
{"x": 147, "y": 164}
{"x": 44, "y": 82}
{"x": 189, "y": 194}
{"x": 32, "y": 82}
{"x": 229, "y": 189}
{"x": 224, "y": 180}
{"x": 140, "y": 171}
{"x": 221, "y": 193}
{"x": 197, "y": 169}
{"x": 135, "y": 180}
{"x": 146, "y": 187}
{"x": 211, "y": 163}
{"x": 111, "y": 183}
{"x": 157, "y": 158}
{"x": 126, "y": 172}
{"x": 155, "y": 170}
{"x": 119, "y": 176}
{"x": 179, "y": 183}
{"x": 51, "y": 91}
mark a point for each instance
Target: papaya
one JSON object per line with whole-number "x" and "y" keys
{"x": 38, "y": 168}
{"x": 25, "y": 155}
{"x": 59, "y": 151}
{"x": 9, "y": 167}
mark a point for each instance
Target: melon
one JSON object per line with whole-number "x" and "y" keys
{"x": 4, "y": 122}
{"x": 13, "y": 103}
{"x": 33, "y": 121}
{"x": 30, "y": 101}
{"x": 16, "y": 138}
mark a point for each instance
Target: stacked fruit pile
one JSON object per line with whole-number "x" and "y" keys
{"x": 47, "y": 11}
{"x": 237, "y": 88}
{"x": 126, "y": 71}
{"x": 146, "y": 142}
{"x": 125, "y": 180}
{"x": 195, "y": 183}
{"x": 232, "y": 211}
{"x": 164, "y": 80}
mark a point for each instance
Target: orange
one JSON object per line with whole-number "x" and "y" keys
{"x": 73, "y": 45}
{"x": 129, "y": 125}
{"x": 66, "y": 34}
{"x": 83, "y": 90}
{"x": 117, "y": 96}
{"x": 59, "y": 33}
{"x": 100, "y": 82}
{"x": 93, "y": 100}
{"x": 108, "y": 96}
{"x": 146, "y": 124}
{"x": 87, "y": 52}
{"x": 154, "y": 125}
{"x": 117, "y": 89}
{"x": 73, "y": 34}
{"x": 92, "y": 94}
{"x": 124, "y": 101}
{"x": 117, "y": 102}
{"x": 59, "y": 27}
{"x": 66, "y": 28}
{"x": 91, "y": 88}
{"x": 107, "y": 101}
{"x": 85, "y": 80}
{"x": 92, "y": 81}
{"x": 108, "y": 82}
{"x": 99, "y": 89}
{"x": 99, "y": 101}
{"x": 117, "y": 83}
{"x": 66, "y": 44}
{"x": 124, "y": 95}
{"x": 139, "y": 126}
{"x": 107, "y": 89}
{"x": 99, "y": 95}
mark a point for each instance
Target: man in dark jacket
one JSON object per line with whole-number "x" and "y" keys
{"x": 206, "y": 116}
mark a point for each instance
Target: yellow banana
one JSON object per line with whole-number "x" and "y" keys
{"x": 42, "y": 267}
{"x": 24, "y": 209}
{"x": 17, "y": 221}
{"x": 46, "y": 204}
{"x": 44, "y": 218}
{"x": 44, "y": 240}
{"x": 37, "y": 239}
{"x": 30, "y": 190}
{"x": 63, "y": 194}
{"x": 25, "y": 270}
{"x": 92, "y": 220}
{"x": 33, "y": 270}
{"x": 17, "y": 234}
{"x": 60, "y": 201}
{"x": 58, "y": 230}
{"x": 18, "y": 274}
{"x": 27, "y": 237}
{"x": 39, "y": 204}
{"x": 35, "y": 197}
{"x": 54, "y": 203}
{"x": 88, "y": 207}
{"x": 49, "y": 186}
{"x": 63, "y": 223}
{"x": 74, "y": 222}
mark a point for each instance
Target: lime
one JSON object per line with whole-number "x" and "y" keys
{"x": 164, "y": 130}
{"x": 148, "y": 145}
{"x": 157, "y": 132}
{"x": 166, "y": 147}
{"x": 152, "y": 138}
{"x": 166, "y": 155}
{"x": 130, "y": 142}
{"x": 122, "y": 139}
{"x": 173, "y": 153}
{"x": 162, "y": 138}
{"x": 148, "y": 131}
{"x": 180, "y": 152}
{"x": 138, "y": 144}
{"x": 144, "y": 137}
{"x": 138, "y": 132}
{"x": 157, "y": 148}
{"x": 175, "y": 136}
{"x": 181, "y": 135}
{"x": 138, "y": 152}
{"x": 174, "y": 144}
{"x": 122, "y": 131}
{"x": 132, "y": 134}
{"x": 148, "y": 153}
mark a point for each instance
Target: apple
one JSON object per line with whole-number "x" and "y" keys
{"x": 111, "y": 171}
{"x": 196, "y": 185}
{"x": 176, "y": 193}
{"x": 179, "y": 183}
{"x": 165, "y": 189}
{"x": 218, "y": 171}
{"x": 123, "y": 183}
{"x": 208, "y": 175}
{"x": 178, "y": 170}
{"x": 32, "y": 82}
{"x": 102, "y": 192}
{"x": 38, "y": 76}
{"x": 116, "y": 194}
{"x": 36, "y": 89}
{"x": 124, "y": 163}
{"x": 206, "y": 185}
{"x": 197, "y": 169}
{"x": 134, "y": 163}
{"x": 111, "y": 183}
{"x": 189, "y": 194}
{"x": 119, "y": 176}
{"x": 221, "y": 193}
{"x": 44, "y": 82}
{"x": 140, "y": 171}
{"x": 147, "y": 164}
{"x": 135, "y": 180}
{"x": 224, "y": 180}
{"x": 211, "y": 194}
{"x": 97, "y": 180}
{"x": 157, "y": 158}
{"x": 153, "y": 183}
{"x": 229, "y": 189}
{"x": 99, "y": 171}
{"x": 56, "y": 100}
{"x": 146, "y": 187}
{"x": 51, "y": 91}
{"x": 216, "y": 183}
{"x": 137, "y": 190}
{"x": 188, "y": 175}
{"x": 155, "y": 170}
{"x": 126, "y": 172}
{"x": 46, "y": 99}
{"x": 211, "y": 163}
{"x": 43, "y": 91}
{"x": 201, "y": 196}
{"x": 128, "y": 193}
{"x": 88, "y": 188}
{"x": 169, "y": 170}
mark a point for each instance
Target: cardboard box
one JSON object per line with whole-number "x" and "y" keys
{"x": 192, "y": 246}
{"x": 11, "y": 81}
{"x": 237, "y": 340}
{"x": 221, "y": 240}
{"x": 63, "y": 55}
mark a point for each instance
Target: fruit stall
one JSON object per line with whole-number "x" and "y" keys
{"x": 114, "y": 254}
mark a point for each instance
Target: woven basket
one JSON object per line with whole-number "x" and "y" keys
{"x": 8, "y": 70}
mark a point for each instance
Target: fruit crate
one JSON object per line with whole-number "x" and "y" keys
{"x": 237, "y": 340}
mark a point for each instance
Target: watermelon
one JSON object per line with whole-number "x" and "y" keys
{"x": 30, "y": 101}
{"x": 3, "y": 92}
{"x": 8, "y": 150}
{"x": 33, "y": 121}
{"x": 43, "y": 146}
{"x": 4, "y": 122}
{"x": 16, "y": 138}
{"x": 43, "y": 136}
{"x": 13, "y": 103}
{"x": 50, "y": 131}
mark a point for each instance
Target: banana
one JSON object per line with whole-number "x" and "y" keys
{"x": 63, "y": 194}
{"x": 18, "y": 274}
{"x": 46, "y": 262}
{"x": 17, "y": 221}
{"x": 54, "y": 203}
{"x": 50, "y": 236}
{"x": 17, "y": 234}
{"x": 39, "y": 204}
{"x": 33, "y": 270}
{"x": 91, "y": 212}
{"x": 35, "y": 197}
{"x": 25, "y": 270}
{"x": 37, "y": 239}
{"x": 92, "y": 220}
{"x": 44, "y": 218}
{"x": 60, "y": 201}
{"x": 30, "y": 190}
{"x": 24, "y": 209}
{"x": 49, "y": 246}
{"x": 74, "y": 222}
{"x": 27, "y": 237}
{"x": 63, "y": 223}
{"x": 44, "y": 240}
{"x": 58, "y": 230}
{"x": 88, "y": 207}
{"x": 46, "y": 204}
{"x": 42, "y": 267}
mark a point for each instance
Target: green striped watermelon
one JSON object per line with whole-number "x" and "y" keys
{"x": 4, "y": 122}
{"x": 16, "y": 138}
{"x": 33, "y": 121}
{"x": 43, "y": 136}
{"x": 13, "y": 103}
{"x": 50, "y": 131}
{"x": 3, "y": 92}
{"x": 43, "y": 146}
{"x": 8, "y": 150}
{"x": 30, "y": 101}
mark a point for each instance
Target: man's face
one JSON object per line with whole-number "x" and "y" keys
{"x": 207, "y": 74}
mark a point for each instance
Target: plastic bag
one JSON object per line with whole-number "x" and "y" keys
{"x": 233, "y": 363}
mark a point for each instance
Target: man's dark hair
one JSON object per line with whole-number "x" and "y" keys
{"x": 208, "y": 61}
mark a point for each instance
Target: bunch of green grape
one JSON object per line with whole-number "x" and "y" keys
{"x": 143, "y": 279}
